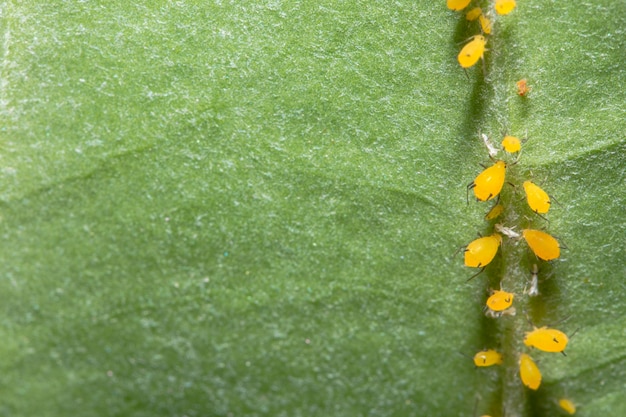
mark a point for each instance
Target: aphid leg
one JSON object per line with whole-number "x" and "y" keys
{"x": 470, "y": 186}
{"x": 456, "y": 252}
{"x": 476, "y": 274}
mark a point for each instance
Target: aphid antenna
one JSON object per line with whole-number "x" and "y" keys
{"x": 554, "y": 199}
{"x": 476, "y": 274}
{"x": 456, "y": 252}
{"x": 466, "y": 74}
{"x": 464, "y": 355}
{"x": 470, "y": 186}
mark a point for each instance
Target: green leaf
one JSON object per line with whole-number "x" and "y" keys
{"x": 251, "y": 208}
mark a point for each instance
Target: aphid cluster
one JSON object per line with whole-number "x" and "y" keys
{"x": 479, "y": 253}
{"x": 475, "y": 48}
{"x": 488, "y": 186}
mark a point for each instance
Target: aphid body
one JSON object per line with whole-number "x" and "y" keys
{"x": 522, "y": 87}
{"x": 457, "y": 4}
{"x": 485, "y": 24}
{"x": 567, "y": 405}
{"x": 511, "y": 144}
{"x": 488, "y": 183}
{"x": 473, "y": 14}
{"x": 494, "y": 212}
{"x": 529, "y": 372}
{"x": 538, "y": 200}
{"x": 500, "y": 300}
{"x": 504, "y": 6}
{"x": 487, "y": 358}
{"x": 472, "y": 51}
{"x": 542, "y": 244}
{"x": 481, "y": 251}
{"x": 546, "y": 339}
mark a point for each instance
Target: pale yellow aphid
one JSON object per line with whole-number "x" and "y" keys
{"x": 487, "y": 358}
{"x": 458, "y": 4}
{"x": 488, "y": 183}
{"x": 529, "y": 372}
{"x": 546, "y": 339}
{"x": 542, "y": 244}
{"x": 505, "y": 6}
{"x": 473, "y": 14}
{"x": 480, "y": 252}
{"x": 511, "y": 144}
{"x": 494, "y": 212}
{"x": 538, "y": 200}
{"x": 567, "y": 405}
{"x": 472, "y": 51}
{"x": 500, "y": 300}
{"x": 485, "y": 24}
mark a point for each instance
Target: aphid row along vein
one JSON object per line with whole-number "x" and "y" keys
{"x": 487, "y": 186}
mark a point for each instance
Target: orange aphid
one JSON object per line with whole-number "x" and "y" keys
{"x": 546, "y": 339}
{"x": 542, "y": 244}
{"x": 522, "y": 87}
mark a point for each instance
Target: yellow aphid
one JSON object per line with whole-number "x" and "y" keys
{"x": 546, "y": 339}
{"x": 487, "y": 358}
{"x": 473, "y": 14}
{"x": 511, "y": 144}
{"x": 567, "y": 405}
{"x": 529, "y": 372}
{"x": 481, "y": 251}
{"x": 505, "y": 6}
{"x": 542, "y": 244}
{"x": 472, "y": 51}
{"x": 538, "y": 200}
{"x": 458, "y": 4}
{"x": 494, "y": 212}
{"x": 485, "y": 24}
{"x": 500, "y": 300}
{"x": 488, "y": 183}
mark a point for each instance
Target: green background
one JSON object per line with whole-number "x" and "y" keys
{"x": 250, "y": 208}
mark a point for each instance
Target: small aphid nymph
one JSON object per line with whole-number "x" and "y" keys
{"x": 480, "y": 252}
{"x": 511, "y": 144}
{"x": 567, "y": 405}
{"x": 495, "y": 212}
{"x": 538, "y": 200}
{"x": 488, "y": 184}
{"x": 487, "y": 358}
{"x": 504, "y": 6}
{"x": 522, "y": 87}
{"x": 546, "y": 339}
{"x": 457, "y": 5}
{"x": 500, "y": 300}
{"x": 472, "y": 51}
{"x": 485, "y": 24}
{"x": 542, "y": 244}
{"x": 529, "y": 372}
{"x": 473, "y": 14}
